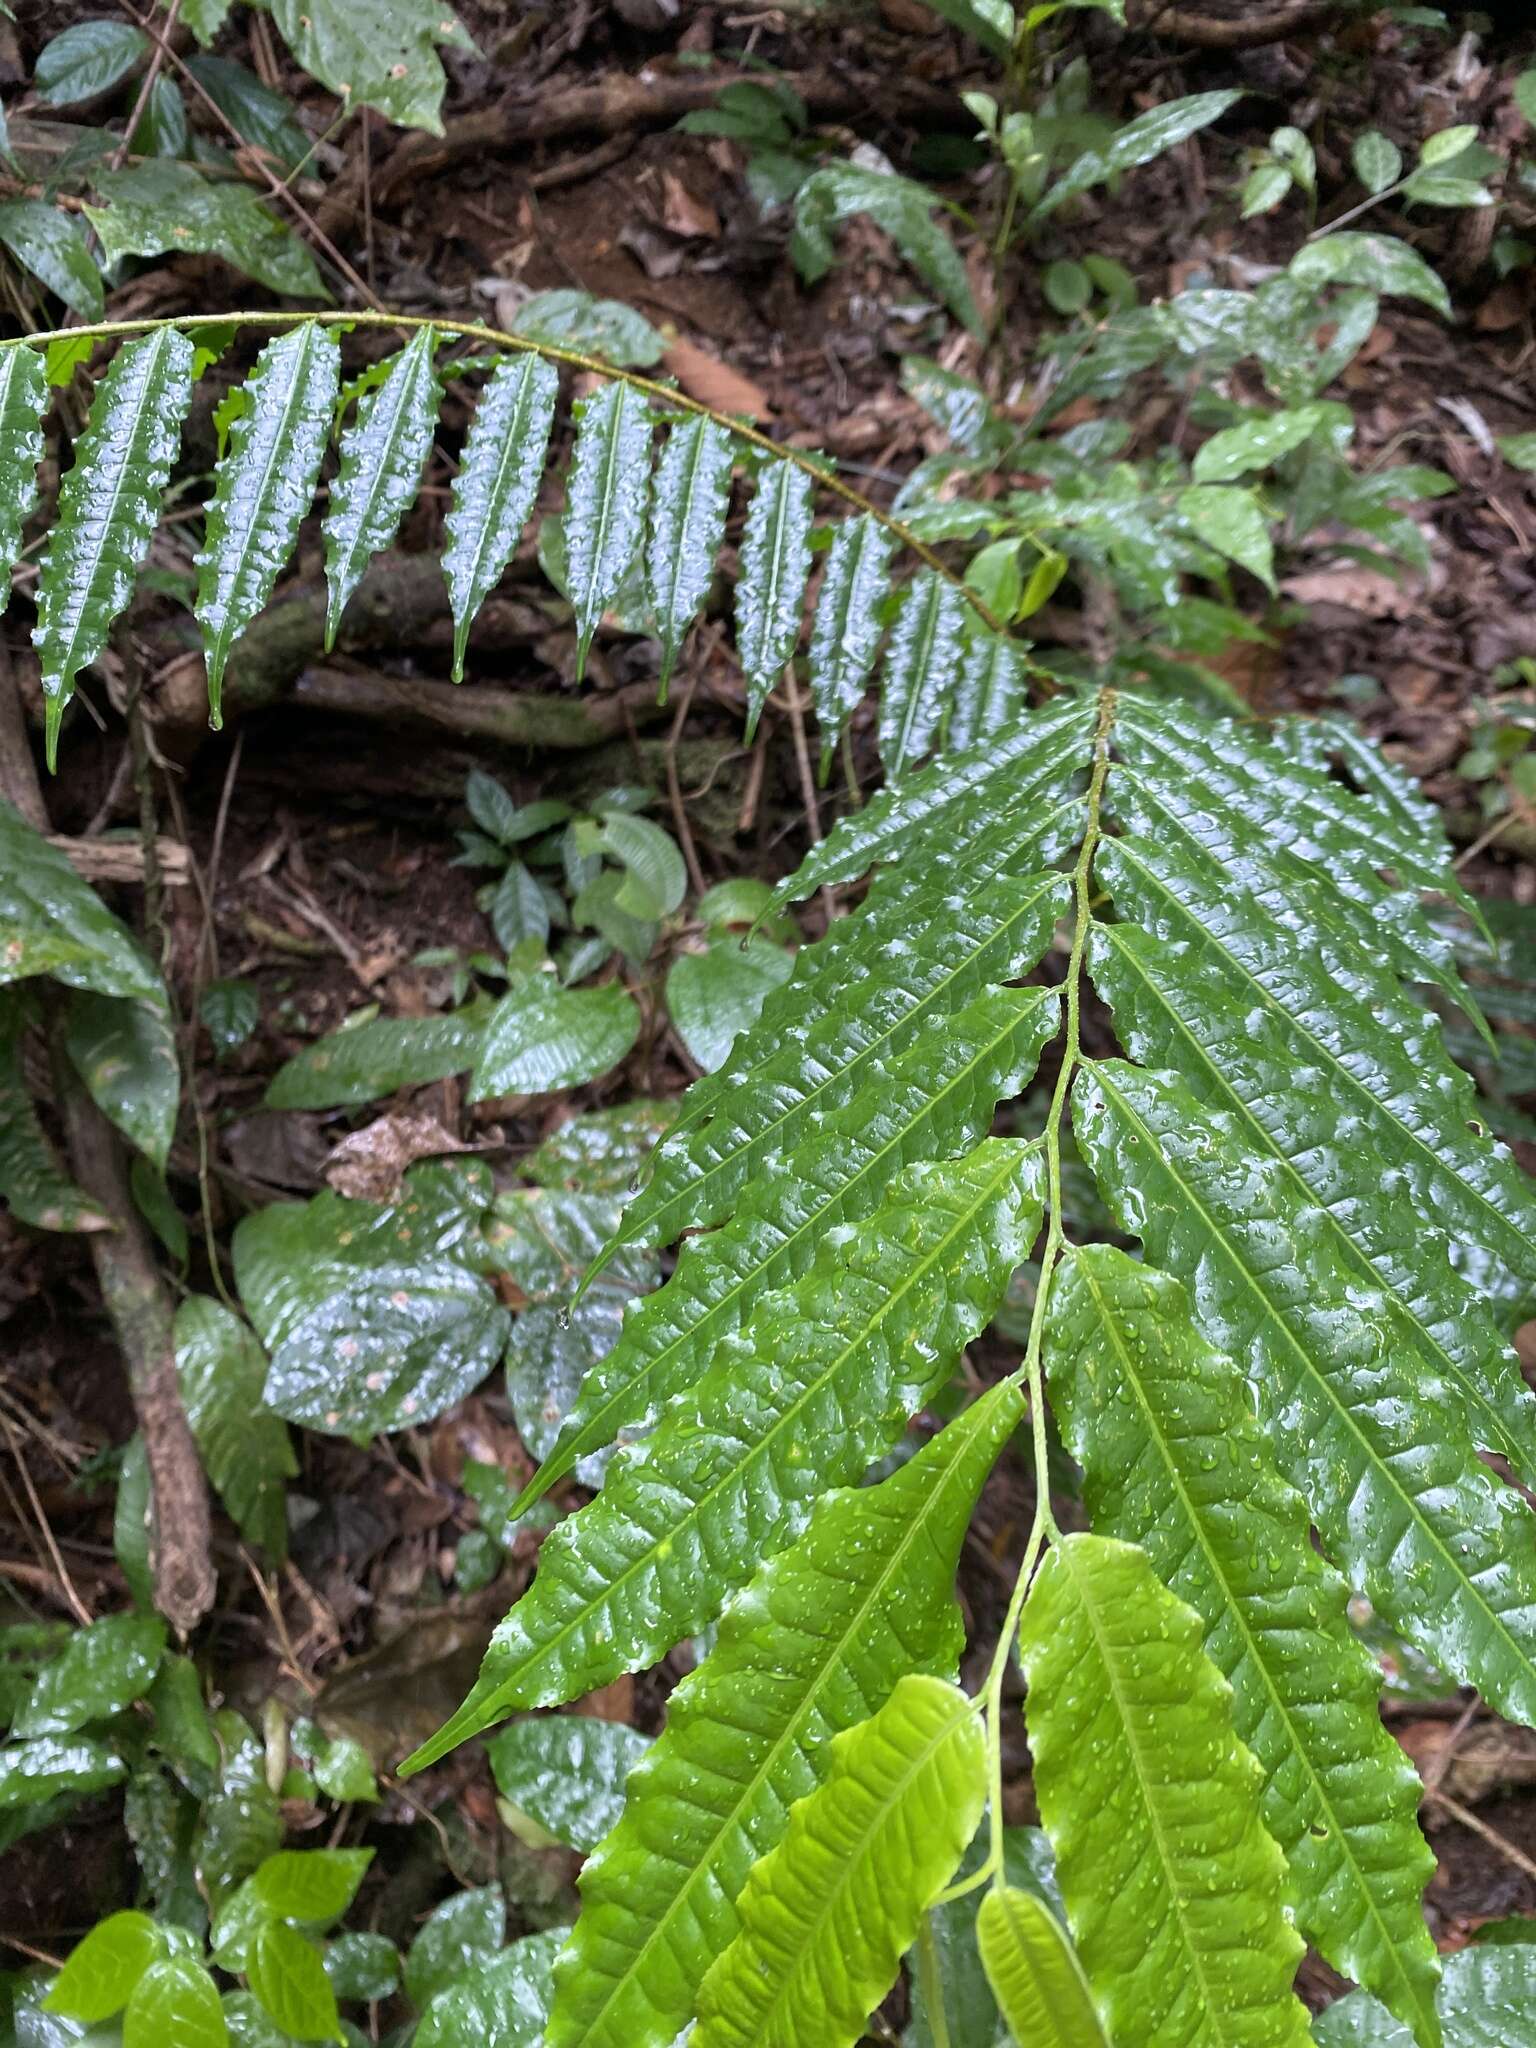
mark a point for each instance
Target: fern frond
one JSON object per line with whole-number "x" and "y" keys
{"x": 109, "y": 503}
{"x": 691, "y": 490}
{"x": 921, "y": 658}
{"x": 1035, "y": 1976}
{"x": 854, "y": 586}
{"x": 498, "y": 480}
{"x": 383, "y": 454}
{"x": 605, "y": 504}
{"x": 1174, "y": 1461}
{"x": 990, "y": 691}
{"x": 23, "y": 401}
{"x": 819, "y": 1383}
{"x": 775, "y": 566}
{"x": 813, "y": 1645}
{"x": 828, "y": 1914}
{"x": 1173, "y": 1885}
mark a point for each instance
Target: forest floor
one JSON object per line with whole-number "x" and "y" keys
{"x": 319, "y": 841}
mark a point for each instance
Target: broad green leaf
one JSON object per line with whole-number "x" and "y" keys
{"x": 715, "y": 995}
{"x": 383, "y": 454}
{"x": 827, "y": 1915}
{"x": 287, "y": 1976}
{"x": 1377, "y": 160}
{"x": 362, "y": 1966}
{"x": 689, "y": 496}
{"x": 541, "y": 1037}
{"x": 175, "y": 2001}
{"x": 1264, "y": 189}
{"x": 50, "y": 1766}
{"x": 497, "y": 2004}
{"x": 23, "y": 401}
{"x": 244, "y": 1451}
{"x": 1255, "y": 444}
{"x": 820, "y": 1382}
{"x": 989, "y": 692}
{"x": 312, "y": 1885}
{"x": 813, "y": 1645}
{"x": 934, "y": 1096}
{"x": 32, "y": 1183}
{"x": 1150, "y": 135}
{"x": 98, "y": 1978}
{"x": 1228, "y": 518}
{"x": 600, "y": 1153}
{"x": 656, "y": 880}
{"x": 990, "y": 22}
{"x": 374, "y": 1316}
{"x": 340, "y": 1765}
{"x": 263, "y": 487}
{"x": 567, "y": 1773}
{"x": 465, "y": 1930}
{"x": 104, "y": 1667}
{"x": 375, "y": 53}
{"x": 921, "y": 661}
{"x": 1174, "y": 1461}
{"x": 257, "y": 114}
{"x": 1379, "y": 261}
{"x": 109, "y": 503}
{"x": 607, "y": 328}
{"x": 770, "y": 586}
{"x": 1487, "y": 2000}
{"x": 125, "y": 1052}
{"x": 497, "y": 483}
{"x": 848, "y": 621}
{"x": 159, "y": 208}
{"x": 363, "y": 1062}
{"x": 1174, "y": 1887}
{"x": 902, "y": 209}
{"x": 87, "y": 59}
{"x": 1036, "y": 1977}
{"x": 605, "y": 504}
{"x": 53, "y": 247}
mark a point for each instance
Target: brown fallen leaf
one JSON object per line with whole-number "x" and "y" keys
{"x": 712, "y": 382}
{"x": 684, "y": 213}
{"x": 368, "y": 1164}
{"x": 1367, "y": 591}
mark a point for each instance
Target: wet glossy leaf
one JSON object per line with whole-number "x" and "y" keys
{"x": 49, "y": 1766}
{"x": 362, "y": 1062}
{"x": 162, "y": 208}
{"x": 1150, "y": 135}
{"x": 919, "y": 670}
{"x": 99, "y": 1976}
{"x": 655, "y": 878}
{"x": 23, "y": 401}
{"x": 377, "y": 53}
{"x": 262, "y": 488}
{"x": 715, "y": 995}
{"x": 257, "y": 114}
{"x": 541, "y": 1037}
{"x": 86, "y": 59}
{"x": 813, "y": 1645}
{"x": 1174, "y": 1888}
{"x": 464, "y": 1931}
{"x": 287, "y": 1976}
{"x": 848, "y": 621}
{"x": 495, "y": 2004}
{"x": 989, "y": 691}
{"x": 1487, "y": 2000}
{"x": 125, "y": 1052}
{"x": 902, "y": 209}
{"x": 312, "y": 1885}
{"x": 497, "y": 483}
{"x": 602, "y": 1152}
{"x": 567, "y": 1773}
{"x": 245, "y": 1451}
{"x": 1377, "y": 160}
{"x": 689, "y": 496}
{"x": 33, "y": 1184}
{"x": 383, "y": 454}
{"x": 175, "y": 2000}
{"x": 770, "y": 588}
{"x": 1379, "y": 261}
{"x": 1174, "y": 1461}
{"x": 1037, "y": 1979}
{"x": 820, "y": 1382}
{"x": 605, "y": 504}
{"x": 362, "y": 1966}
{"x": 1228, "y": 518}
{"x": 103, "y": 1668}
{"x": 53, "y": 247}
{"x": 109, "y": 503}
{"x": 606, "y": 328}
{"x": 827, "y": 1915}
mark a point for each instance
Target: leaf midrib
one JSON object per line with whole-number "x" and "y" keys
{"x": 400, "y": 387}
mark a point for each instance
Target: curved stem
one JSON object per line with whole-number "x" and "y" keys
{"x": 571, "y": 358}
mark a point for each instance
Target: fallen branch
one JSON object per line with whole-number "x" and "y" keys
{"x": 514, "y": 718}
{"x": 122, "y": 860}
{"x": 1250, "y": 30}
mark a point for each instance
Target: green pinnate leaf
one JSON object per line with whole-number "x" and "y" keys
{"x": 1487, "y": 2000}
{"x": 989, "y": 693}
{"x": 1174, "y": 1887}
{"x": 1149, "y": 136}
{"x": 1174, "y": 1461}
{"x": 287, "y": 1975}
{"x": 689, "y": 497}
{"x": 23, "y": 401}
{"x": 903, "y": 209}
{"x": 1036, "y": 1978}
{"x": 920, "y": 664}
{"x": 383, "y": 454}
{"x": 828, "y": 1914}
{"x": 817, "y": 1385}
{"x": 497, "y": 483}
{"x": 770, "y": 589}
{"x": 100, "y": 1975}
{"x": 605, "y": 504}
{"x": 813, "y": 1645}
{"x": 109, "y": 504}
{"x": 848, "y": 620}
{"x": 263, "y": 487}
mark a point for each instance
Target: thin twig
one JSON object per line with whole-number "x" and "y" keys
{"x": 82, "y": 1613}
{"x": 675, "y": 790}
{"x": 1483, "y": 1831}
{"x": 151, "y": 73}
